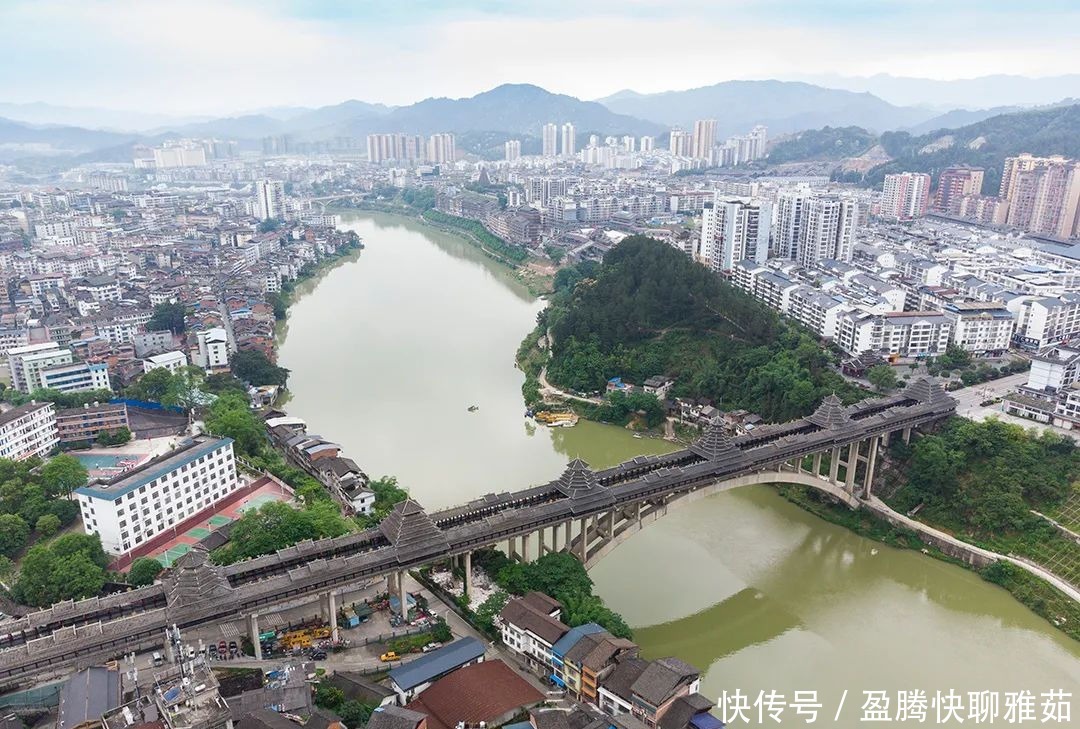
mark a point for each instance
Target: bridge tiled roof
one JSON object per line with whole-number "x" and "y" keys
{"x": 830, "y": 414}
{"x": 580, "y": 485}
{"x": 714, "y": 443}
{"x": 193, "y": 580}
{"x": 411, "y": 531}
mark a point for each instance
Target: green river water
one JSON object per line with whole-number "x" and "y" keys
{"x": 389, "y": 349}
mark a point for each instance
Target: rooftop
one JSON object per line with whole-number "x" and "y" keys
{"x": 437, "y": 663}
{"x": 153, "y": 469}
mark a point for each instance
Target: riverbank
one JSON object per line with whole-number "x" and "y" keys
{"x": 530, "y": 272}
{"x": 1036, "y": 594}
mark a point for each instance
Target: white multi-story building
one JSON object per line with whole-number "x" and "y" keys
{"x": 134, "y": 507}
{"x": 513, "y": 150}
{"x": 550, "y": 140}
{"x": 26, "y": 363}
{"x": 905, "y": 196}
{"x": 733, "y": 231}
{"x": 213, "y": 349}
{"x": 270, "y": 199}
{"x": 28, "y": 430}
{"x": 530, "y": 626}
{"x": 981, "y": 328}
{"x": 645, "y": 144}
{"x": 569, "y": 140}
{"x": 1054, "y": 369}
{"x": 704, "y": 138}
{"x": 790, "y": 221}
{"x": 915, "y": 334}
{"x": 76, "y": 377}
{"x": 1045, "y": 321}
{"x": 171, "y": 361}
{"x": 829, "y": 230}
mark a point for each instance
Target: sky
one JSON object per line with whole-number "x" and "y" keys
{"x": 227, "y": 56}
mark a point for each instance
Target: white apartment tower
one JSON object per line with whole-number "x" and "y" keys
{"x": 704, "y": 138}
{"x": 645, "y": 144}
{"x": 569, "y": 140}
{"x": 441, "y": 149}
{"x": 905, "y": 196}
{"x": 513, "y": 150}
{"x": 828, "y": 231}
{"x": 733, "y": 231}
{"x": 551, "y": 140}
{"x": 270, "y": 199}
{"x": 679, "y": 143}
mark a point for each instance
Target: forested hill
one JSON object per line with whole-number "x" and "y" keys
{"x": 650, "y": 310}
{"x": 1053, "y": 130}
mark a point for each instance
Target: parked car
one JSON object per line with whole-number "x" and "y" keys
{"x": 234, "y": 649}
{"x": 431, "y": 646}
{"x": 389, "y": 656}
{"x": 318, "y": 655}
{"x": 211, "y": 651}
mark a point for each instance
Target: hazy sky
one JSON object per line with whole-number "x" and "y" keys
{"x": 212, "y": 56}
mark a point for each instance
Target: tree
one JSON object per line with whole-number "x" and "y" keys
{"x": 62, "y": 475}
{"x": 14, "y": 532}
{"x": 47, "y": 525}
{"x": 70, "y": 567}
{"x": 882, "y": 377}
{"x": 168, "y": 315}
{"x": 144, "y": 571}
{"x": 114, "y": 437}
{"x": 276, "y": 525}
{"x": 152, "y": 386}
{"x": 223, "y": 382}
{"x": 279, "y": 304}
{"x": 254, "y": 367}
{"x": 230, "y": 416}
{"x": 269, "y": 225}
{"x": 355, "y": 713}
{"x": 312, "y": 491}
{"x": 489, "y": 608}
{"x": 329, "y": 697}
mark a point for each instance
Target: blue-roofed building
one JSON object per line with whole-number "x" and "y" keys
{"x": 413, "y": 677}
{"x": 135, "y": 506}
{"x": 560, "y": 648}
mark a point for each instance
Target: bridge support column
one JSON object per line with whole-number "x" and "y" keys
{"x": 885, "y": 439}
{"x": 583, "y": 551}
{"x": 869, "y": 480}
{"x": 468, "y": 574}
{"x": 907, "y": 436}
{"x": 852, "y": 465}
{"x": 511, "y": 552}
{"x": 525, "y": 547}
{"x": 638, "y": 515}
{"x": 568, "y": 535}
{"x": 253, "y": 632}
{"x": 391, "y": 583}
{"x": 332, "y": 600}
{"x": 798, "y": 465}
{"x": 403, "y": 596}
{"x": 817, "y": 464}
{"x": 834, "y": 464}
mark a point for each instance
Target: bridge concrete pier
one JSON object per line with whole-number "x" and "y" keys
{"x": 402, "y": 595}
{"x": 253, "y": 633}
{"x": 852, "y": 466}
{"x": 907, "y": 436}
{"x": 468, "y": 574}
{"x": 834, "y": 464}
{"x": 817, "y": 463}
{"x": 331, "y": 599}
{"x": 870, "y": 464}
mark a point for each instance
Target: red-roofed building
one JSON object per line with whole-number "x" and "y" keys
{"x": 489, "y": 692}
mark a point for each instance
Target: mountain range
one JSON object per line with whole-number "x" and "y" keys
{"x": 488, "y": 118}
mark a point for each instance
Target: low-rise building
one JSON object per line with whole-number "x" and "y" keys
{"x": 28, "y": 430}
{"x": 530, "y": 626}
{"x": 130, "y": 509}
{"x": 77, "y": 377}
{"x": 412, "y": 678}
{"x": 75, "y": 425}
{"x": 171, "y": 361}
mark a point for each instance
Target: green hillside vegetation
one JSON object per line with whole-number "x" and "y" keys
{"x": 650, "y": 310}
{"x": 1054, "y": 130}
{"x": 829, "y": 143}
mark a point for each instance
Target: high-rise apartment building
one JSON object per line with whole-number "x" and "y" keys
{"x": 704, "y": 138}
{"x": 791, "y": 207}
{"x": 645, "y": 144}
{"x": 734, "y": 230}
{"x": 441, "y": 149}
{"x": 270, "y": 199}
{"x": 1043, "y": 194}
{"x": 829, "y": 229}
{"x": 551, "y": 140}
{"x": 954, "y": 185}
{"x": 513, "y": 150}
{"x": 679, "y": 143}
{"x": 905, "y": 196}
{"x": 569, "y": 140}
{"x": 628, "y": 143}
{"x": 397, "y": 147}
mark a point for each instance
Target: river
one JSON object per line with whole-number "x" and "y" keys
{"x": 389, "y": 349}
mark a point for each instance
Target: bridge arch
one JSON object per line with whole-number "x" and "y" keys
{"x": 629, "y": 527}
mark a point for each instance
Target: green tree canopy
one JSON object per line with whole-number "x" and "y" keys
{"x": 230, "y": 416}
{"x": 144, "y": 571}
{"x": 169, "y": 315}
{"x": 14, "y": 532}
{"x": 254, "y": 367}
{"x": 883, "y": 377}
{"x": 72, "y": 566}
{"x": 62, "y": 475}
{"x": 47, "y": 525}
{"x": 276, "y": 525}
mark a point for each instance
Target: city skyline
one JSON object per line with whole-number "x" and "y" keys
{"x": 73, "y": 53}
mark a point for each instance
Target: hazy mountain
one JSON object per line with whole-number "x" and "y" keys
{"x": 783, "y": 106}
{"x": 90, "y": 117}
{"x": 972, "y": 93}
{"x": 306, "y": 119}
{"x": 959, "y": 118}
{"x": 18, "y": 139}
{"x": 513, "y": 108}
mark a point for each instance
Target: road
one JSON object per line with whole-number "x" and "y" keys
{"x": 547, "y": 388}
{"x": 968, "y": 404}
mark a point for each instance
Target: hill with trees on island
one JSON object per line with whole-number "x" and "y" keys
{"x": 650, "y": 310}
{"x": 1046, "y": 131}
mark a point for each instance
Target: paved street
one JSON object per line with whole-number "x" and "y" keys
{"x": 969, "y": 399}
